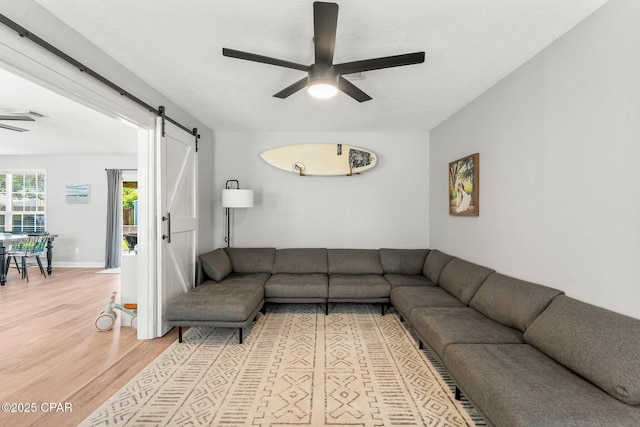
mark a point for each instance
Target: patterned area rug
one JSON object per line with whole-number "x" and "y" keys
{"x": 296, "y": 367}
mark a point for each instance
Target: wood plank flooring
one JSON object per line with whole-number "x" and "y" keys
{"x": 51, "y": 352}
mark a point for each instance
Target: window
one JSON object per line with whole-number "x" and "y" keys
{"x": 22, "y": 202}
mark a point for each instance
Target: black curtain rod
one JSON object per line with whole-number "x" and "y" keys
{"x": 23, "y": 32}
{"x": 136, "y": 170}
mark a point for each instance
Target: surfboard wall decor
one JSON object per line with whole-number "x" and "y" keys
{"x": 321, "y": 159}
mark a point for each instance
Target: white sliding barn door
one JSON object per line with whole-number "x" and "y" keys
{"x": 178, "y": 221}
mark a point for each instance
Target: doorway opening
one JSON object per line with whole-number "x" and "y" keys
{"x": 129, "y": 215}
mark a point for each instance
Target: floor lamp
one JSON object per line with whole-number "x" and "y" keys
{"x": 234, "y": 198}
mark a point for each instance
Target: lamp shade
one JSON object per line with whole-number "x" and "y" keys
{"x": 237, "y": 198}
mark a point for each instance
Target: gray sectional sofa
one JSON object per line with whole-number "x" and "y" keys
{"x": 523, "y": 353}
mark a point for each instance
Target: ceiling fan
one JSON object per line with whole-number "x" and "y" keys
{"x": 324, "y": 78}
{"x": 22, "y": 115}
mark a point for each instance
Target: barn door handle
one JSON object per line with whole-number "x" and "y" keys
{"x": 168, "y": 235}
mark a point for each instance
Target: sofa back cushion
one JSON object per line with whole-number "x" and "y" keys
{"x": 216, "y": 264}
{"x": 251, "y": 260}
{"x": 600, "y": 345}
{"x": 297, "y": 261}
{"x": 354, "y": 261}
{"x": 512, "y": 302}
{"x": 462, "y": 279}
{"x": 434, "y": 264}
{"x": 403, "y": 261}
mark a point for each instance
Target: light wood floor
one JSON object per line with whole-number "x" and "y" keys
{"x": 51, "y": 352}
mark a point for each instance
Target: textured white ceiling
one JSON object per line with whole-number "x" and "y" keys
{"x": 66, "y": 128}
{"x": 176, "y": 47}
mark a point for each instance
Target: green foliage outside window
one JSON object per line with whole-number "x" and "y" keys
{"x": 129, "y": 195}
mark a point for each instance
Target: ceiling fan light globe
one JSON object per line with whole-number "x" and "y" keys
{"x": 323, "y": 89}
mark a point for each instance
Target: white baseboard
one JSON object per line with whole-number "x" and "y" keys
{"x": 78, "y": 264}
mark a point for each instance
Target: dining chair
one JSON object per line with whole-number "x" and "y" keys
{"x": 11, "y": 251}
{"x": 29, "y": 253}
{"x": 132, "y": 240}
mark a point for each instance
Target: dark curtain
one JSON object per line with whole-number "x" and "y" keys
{"x": 114, "y": 219}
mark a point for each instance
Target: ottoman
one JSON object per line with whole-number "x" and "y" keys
{"x": 223, "y": 305}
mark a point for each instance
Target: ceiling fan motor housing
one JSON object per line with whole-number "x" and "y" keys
{"x": 323, "y": 73}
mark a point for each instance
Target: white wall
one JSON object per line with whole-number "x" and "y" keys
{"x": 206, "y": 194}
{"x": 45, "y": 25}
{"x": 81, "y": 226}
{"x": 386, "y": 206}
{"x": 559, "y": 149}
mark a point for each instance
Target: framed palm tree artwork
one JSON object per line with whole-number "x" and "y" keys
{"x": 464, "y": 186}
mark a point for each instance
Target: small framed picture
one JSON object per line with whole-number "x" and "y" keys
{"x": 77, "y": 193}
{"x": 464, "y": 186}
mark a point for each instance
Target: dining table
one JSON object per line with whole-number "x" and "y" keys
{"x": 11, "y": 238}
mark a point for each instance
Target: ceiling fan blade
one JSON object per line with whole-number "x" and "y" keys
{"x": 21, "y": 118}
{"x": 350, "y": 89}
{"x": 290, "y": 90}
{"x": 263, "y": 59}
{"x": 325, "y": 23}
{"x": 17, "y": 129}
{"x": 379, "y": 63}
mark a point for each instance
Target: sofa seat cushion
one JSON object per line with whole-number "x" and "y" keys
{"x": 601, "y": 345}
{"x": 516, "y": 385}
{"x": 407, "y": 298}
{"x": 222, "y": 302}
{"x": 512, "y": 302}
{"x": 403, "y": 261}
{"x": 398, "y": 280}
{"x": 249, "y": 279}
{"x": 297, "y": 286}
{"x": 440, "y": 327}
{"x": 462, "y": 279}
{"x": 358, "y": 286}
